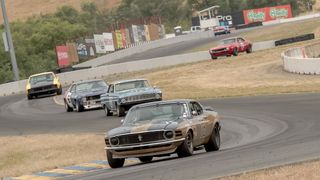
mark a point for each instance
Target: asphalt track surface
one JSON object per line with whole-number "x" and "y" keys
{"x": 257, "y": 132}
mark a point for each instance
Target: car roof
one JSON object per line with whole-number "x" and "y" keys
{"x": 174, "y": 101}
{"x": 128, "y": 80}
{"x": 88, "y": 81}
{"x": 43, "y": 73}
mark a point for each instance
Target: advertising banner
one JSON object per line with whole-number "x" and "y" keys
{"x": 108, "y": 41}
{"x": 99, "y": 42}
{"x": 72, "y": 52}
{"x": 124, "y": 37}
{"x": 147, "y": 34}
{"x": 135, "y": 33}
{"x": 119, "y": 39}
{"x": 267, "y": 14}
{"x": 62, "y": 56}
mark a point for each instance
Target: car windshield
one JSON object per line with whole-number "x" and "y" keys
{"x": 131, "y": 85}
{"x": 228, "y": 41}
{"x": 41, "y": 78}
{"x": 162, "y": 113}
{"x": 91, "y": 86}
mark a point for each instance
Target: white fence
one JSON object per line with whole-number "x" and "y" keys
{"x": 302, "y": 60}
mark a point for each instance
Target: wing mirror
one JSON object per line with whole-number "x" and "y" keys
{"x": 122, "y": 121}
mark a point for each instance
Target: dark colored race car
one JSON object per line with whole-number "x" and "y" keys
{"x": 43, "y": 83}
{"x": 163, "y": 128}
{"x": 231, "y": 46}
{"x": 84, "y": 95}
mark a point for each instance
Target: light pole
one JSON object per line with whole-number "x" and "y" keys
{"x": 10, "y": 43}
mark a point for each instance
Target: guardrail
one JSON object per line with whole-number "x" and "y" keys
{"x": 144, "y": 47}
{"x": 302, "y": 60}
{"x": 103, "y": 71}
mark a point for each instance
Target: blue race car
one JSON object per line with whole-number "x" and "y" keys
{"x": 85, "y": 95}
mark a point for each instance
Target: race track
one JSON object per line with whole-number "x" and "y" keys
{"x": 257, "y": 132}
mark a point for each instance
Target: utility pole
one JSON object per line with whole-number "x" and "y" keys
{"x": 10, "y": 43}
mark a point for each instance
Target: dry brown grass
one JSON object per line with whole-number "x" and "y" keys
{"x": 301, "y": 171}
{"x": 26, "y": 154}
{"x": 22, "y": 9}
{"x": 248, "y": 74}
{"x": 274, "y": 33}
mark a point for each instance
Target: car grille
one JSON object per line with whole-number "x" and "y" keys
{"x": 141, "y": 97}
{"x": 43, "y": 88}
{"x": 97, "y": 97}
{"x": 141, "y": 137}
{"x": 219, "y": 50}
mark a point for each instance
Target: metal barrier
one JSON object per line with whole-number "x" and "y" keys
{"x": 302, "y": 60}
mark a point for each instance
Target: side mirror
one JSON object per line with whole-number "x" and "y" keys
{"x": 122, "y": 121}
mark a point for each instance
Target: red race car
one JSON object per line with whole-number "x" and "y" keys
{"x": 231, "y": 46}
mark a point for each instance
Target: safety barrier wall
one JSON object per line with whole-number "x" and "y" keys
{"x": 144, "y": 47}
{"x": 301, "y": 60}
{"x": 103, "y": 71}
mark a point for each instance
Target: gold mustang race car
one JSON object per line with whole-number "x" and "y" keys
{"x": 43, "y": 83}
{"x": 163, "y": 128}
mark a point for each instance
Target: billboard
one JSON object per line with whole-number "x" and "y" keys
{"x": 99, "y": 42}
{"x": 62, "y": 56}
{"x": 119, "y": 39}
{"x": 267, "y": 14}
{"x": 108, "y": 41}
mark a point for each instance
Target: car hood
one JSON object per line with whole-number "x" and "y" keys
{"x": 153, "y": 126}
{"x": 41, "y": 84}
{"x": 92, "y": 93}
{"x": 138, "y": 91}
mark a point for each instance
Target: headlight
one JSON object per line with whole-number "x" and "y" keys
{"x": 123, "y": 100}
{"x": 158, "y": 96}
{"x": 227, "y": 49}
{"x": 114, "y": 141}
{"x": 168, "y": 134}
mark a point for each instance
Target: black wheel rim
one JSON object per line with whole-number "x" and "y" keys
{"x": 189, "y": 142}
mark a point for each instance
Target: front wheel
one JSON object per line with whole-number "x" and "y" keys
{"x": 59, "y": 91}
{"x": 68, "y": 108}
{"x": 29, "y": 97}
{"x": 146, "y": 159}
{"x": 186, "y": 148}
{"x": 114, "y": 162}
{"x": 120, "y": 111}
{"x": 79, "y": 107}
{"x": 107, "y": 111}
{"x": 249, "y": 50}
{"x": 235, "y": 52}
{"x": 213, "y": 57}
{"x": 214, "y": 141}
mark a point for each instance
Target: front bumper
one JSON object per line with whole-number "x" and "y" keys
{"x": 93, "y": 104}
{"x": 43, "y": 91}
{"x": 221, "y": 53}
{"x": 132, "y": 103}
{"x": 149, "y": 149}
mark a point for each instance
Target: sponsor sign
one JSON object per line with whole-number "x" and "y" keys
{"x": 267, "y": 14}
{"x": 99, "y": 42}
{"x": 124, "y": 37}
{"x": 135, "y": 33}
{"x": 119, "y": 39}
{"x": 108, "y": 41}
{"x": 62, "y": 56}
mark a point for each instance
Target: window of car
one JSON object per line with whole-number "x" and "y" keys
{"x": 111, "y": 89}
{"x": 240, "y": 40}
{"x": 195, "y": 106}
{"x": 73, "y": 88}
{"x": 131, "y": 85}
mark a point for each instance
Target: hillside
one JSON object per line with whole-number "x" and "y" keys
{"x": 22, "y": 9}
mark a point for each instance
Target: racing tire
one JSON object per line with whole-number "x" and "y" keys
{"x": 120, "y": 111}
{"x": 59, "y": 91}
{"x": 107, "y": 111}
{"x": 68, "y": 108}
{"x": 114, "y": 162}
{"x": 214, "y": 57}
{"x": 186, "y": 148}
{"x": 79, "y": 107}
{"x": 146, "y": 159}
{"x": 249, "y": 50}
{"x": 214, "y": 141}
{"x": 235, "y": 52}
{"x": 29, "y": 97}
